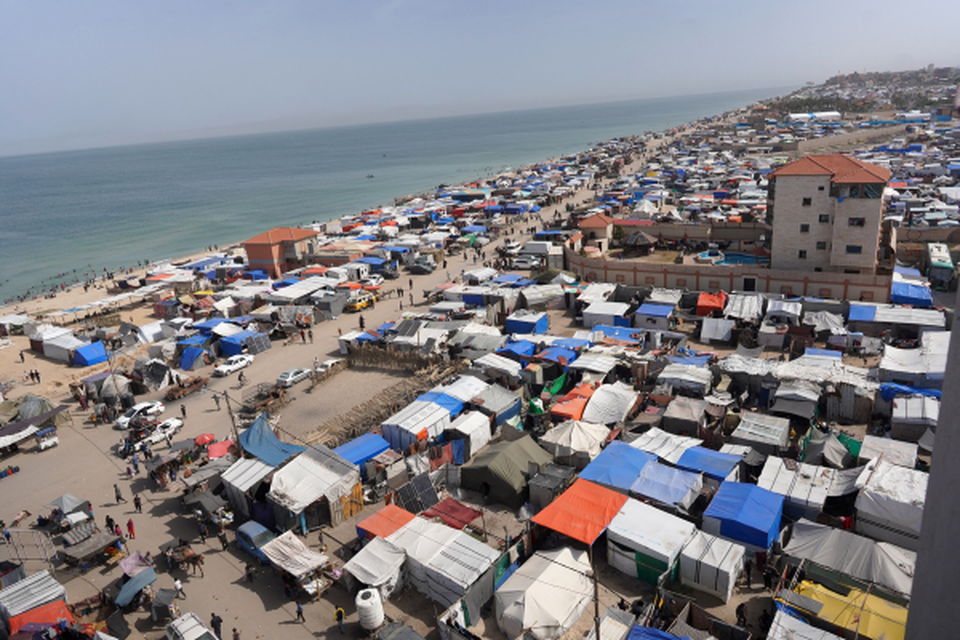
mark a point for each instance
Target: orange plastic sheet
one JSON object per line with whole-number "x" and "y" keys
{"x": 582, "y": 512}
{"x": 384, "y": 522}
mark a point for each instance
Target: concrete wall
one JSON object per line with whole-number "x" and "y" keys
{"x": 866, "y": 237}
{"x": 734, "y": 278}
{"x": 789, "y": 214}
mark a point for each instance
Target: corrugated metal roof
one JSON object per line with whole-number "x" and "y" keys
{"x": 31, "y": 592}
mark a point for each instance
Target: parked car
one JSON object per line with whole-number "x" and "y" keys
{"x": 168, "y": 427}
{"x": 291, "y": 377}
{"x": 328, "y": 364}
{"x": 422, "y": 268}
{"x": 373, "y": 280}
{"x": 363, "y": 300}
{"x": 525, "y": 262}
{"x": 233, "y": 364}
{"x": 189, "y": 626}
{"x": 251, "y": 536}
{"x": 150, "y": 408}
{"x": 510, "y": 248}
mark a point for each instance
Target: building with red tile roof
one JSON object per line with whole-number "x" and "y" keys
{"x": 280, "y": 249}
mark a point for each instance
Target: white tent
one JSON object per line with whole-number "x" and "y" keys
{"x": 762, "y": 432}
{"x": 421, "y": 540}
{"x": 911, "y": 416}
{"x": 667, "y": 485}
{"x": 805, "y": 488}
{"x": 711, "y": 564}
{"x": 455, "y": 569}
{"x": 890, "y": 503}
{"x": 644, "y": 542}
{"x": 696, "y": 380}
{"x": 665, "y": 446}
{"x": 474, "y": 427}
{"x": 290, "y": 554}
{"x": 575, "y": 443}
{"x": 241, "y": 477}
{"x": 315, "y": 473}
{"x": 416, "y": 419}
{"x": 610, "y": 403}
{"x": 378, "y": 565}
{"x": 603, "y": 312}
{"x": 786, "y": 627}
{"x": 546, "y": 595}
{"x": 717, "y": 330}
{"x": 893, "y": 451}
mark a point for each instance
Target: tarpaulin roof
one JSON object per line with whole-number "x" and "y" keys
{"x": 67, "y": 503}
{"x": 519, "y": 347}
{"x": 49, "y": 613}
{"x": 31, "y": 592}
{"x": 610, "y": 403}
{"x": 314, "y": 474}
{"x": 93, "y": 353}
{"x": 260, "y": 441}
{"x": 454, "y": 514}
{"x": 219, "y": 449}
{"x": 713, "y": 464}
{"x": 745, "y": 513}
{"x": 582, "y": 512}
{"x": 559, "y": 355}
{"x": 135, "y": 585}
{"x": 384, "y": 522}
{"x": 617, "y": 466}
{"x": 289, "y": 553}
{"x": 707, "y": 303}
{"x": 571, "y": 409}
{"x": 667, "y": 485}
{"x": 361, "y": 449}
{"x": 376, "y": 563}
{"x": 654, "y": 310}
{"x": 664, "y": 445}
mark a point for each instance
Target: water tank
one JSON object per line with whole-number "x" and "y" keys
{"x": 370, "y": 609}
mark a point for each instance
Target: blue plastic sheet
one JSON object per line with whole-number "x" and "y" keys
{"x": 747, "y": 513}
{"x": 617, "y": 466}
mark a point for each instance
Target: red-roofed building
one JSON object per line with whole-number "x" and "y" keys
{"x": 826, "y": 212}
{"x": 280, "y": 250}
{"x": 597, "y": 229}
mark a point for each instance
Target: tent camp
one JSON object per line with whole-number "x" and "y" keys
{"x": 890, "y": 503}
{"x": 315, "y": 476}
{"x": 473, "y": 428}
{"x": 711, "y": 564}
{"x": 763, "y": 433}
{"x": 805, "y": 486}
{"x": 668, "y": 486}
{"x": 610, "y": 403}
{"x": 288, "y": 553}
{"x": 665, "y": 446}
{"x": 417, "y": 421}
{"x": 685, "y": 416}
{"x": 746, "y": 514}
{"x": 378, "y": 566}
{"x": 644, "y": 542}
{"x": 582, "y": 512}
{"x": 574, "y": 443}
{"x": 501, "y": 471}
{"x": 617, "y": 466}
{"x": 856, "y": 556}
{"x": 546, "y": 595}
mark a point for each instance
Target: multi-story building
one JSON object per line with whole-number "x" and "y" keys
{"x": 826, "y": 212}
{"x": 281, "y": 249}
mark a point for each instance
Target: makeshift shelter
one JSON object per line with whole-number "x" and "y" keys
{"x": 890, "y": 503}
{"x": 708, "y": 303}
{"x": 711, "y": 564}
{"x": 746, "y": 514}
{"x": 923, "y": 367}
{"x": 617, "y": 466}
{"x": 653, "y": 316}
{"x": 89, "y": 355}
{"x": 31, "y": 592}
{"x": 546, "y": 595}
{"x": 744, "y": 306}
{"x": 378, "y": 566}
{"x": 501, "y": 471}
{"x": 134, "y": 586}
{"x": 48, "y": 615}
{"x": 260, "y": 441}
{"x": 685, "y": 416}
{"x": 853, "y": 611}
{"x": 714, "y": 465}
{"x": 316, "y": 475}
{"x": 417, "y": 421}
{"x": 289, "y": 554}
{"x": 527, "y": 322}
{"x": 644, "y": 542}
{"x": 359, "y": 450}
{"x": 384, "y": 522}
{"x": 582, "y": 512}
{"x": 665, "y": 446}
{"x": 453, "y": 514}
{"x": 826, "y": 449}
{"x": 787, "y": 627}
{"x": 604, "y": 312}
{"x": 610, "y": 403}
{"x": 691, "y": 380}
{"x": 856, "y": 556}
{"x": 911, "y": 416}
{"x": 240, "y": 483}
{"x": 805, "y": 486}
{"x": 716, "y": 330}
{"x": 473, "y": 429}
{"x": 668, "y": 486}
{"x": 763, "y": 433}
{"x": 575, "y": 443}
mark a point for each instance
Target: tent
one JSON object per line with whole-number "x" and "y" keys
{"x": 787, "y": 627}
{"x": 805, "y": 486}
{"x": 893, "y": 451}
{"x": 711, "y": 564}
{"x": 193, "y": 358}
{"x": 454, "y": 514}
{"x": 260, "y": 441}
{"x": 526, "y": 322}
{"x": 569, "y": 409}
{"x": 417, "y": 421}
{"x": 49, "y": 614}
{"x": 617, "y": 466}
{"x": 911, "y": 416}
{"x": 685, "y": 416}
{"x": 546, "y": 595}
{"x": 315, "y": 474}
{"x": 575, "y": 443}
{"x": 709, "y": 303}
{"x": 378, "y": 566}
{"x": 474, "y": 428}
{"x": 716, "y": 330}
{"x": 714, "y": 465}
{"x": 856, "y": 556}
{"x": 890, "y": 503}
{"x": 420, "y": 540}
{"x": 31, "y": 592}
{"x": 498, "y": 402}
{"x": 665, "y": 446}
{"x": 239, "y": 479}
{"x": 610, "y": 403}
{"x": 501, "y": 470}
{"x": 746, "y": 514}
{"x": 667, "y": 485}
{"x": 135, "y": 585}
{"x": 359, "y": 450}
{"x": 763, "y": 433}
{"x": 93, "y": 353}
{"x": 448, "y": 402}
{"x": 606, "y": 312}
{"x": 290, "y": 554}
{"x": 645, "y": 543}
{"x": 384, "y": 522}
{"x": 693, "y": 379}
{"x": 582, "y": 512}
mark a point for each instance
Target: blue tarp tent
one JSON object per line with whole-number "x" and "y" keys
{"x": 572, "y": 343}
{"x": 206, "y": 327}
{"x": 189, "y": 357}
{"x": 361, "y": 449}
{"x": 449, "y": 403}
{"x": 744, "y": 513}
{"x": 527, "y": 323}
{"x": 625, "y": 334}
{"x": 912, "y": 294}
{"x": 258, "y": 274}
{"x": 519, "y": 348}
{"x": 617, "y": 466}
{"x": 376, "y": 263}
{"x": 194, "y": 341}
{"x": 260, "y": 442}
{"x": 655, "y": 310}
{"x": 559, "y": 355}
{"x": 506, "y": 278}
{"x": 712, "y": 464}
{"x": 93, "y": 353}
{"x": 862, "y": 313}
{"x": 890, "y": 390}
{"x": 135, "y": 585}
{"x": 474, "y": 228}
{"x": 649, "y": 633}
{"x": 233, "y": 345}
{"x": 667, "y": 485}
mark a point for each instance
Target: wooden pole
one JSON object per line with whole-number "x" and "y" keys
{"x": 233, "y": 422}
{"x": 596, "y": 596}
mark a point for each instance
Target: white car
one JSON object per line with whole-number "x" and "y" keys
{"x": 151, "y": 408}
{"x": 328, "y": 364}
{"x": 233, "y": 364}
{"x": 373, "y": 280}
{"x": 166, "y": 428}
{"x": 189, "y": 626}
{"x": 525, "y": 262}
{"x": 291, "y": 377}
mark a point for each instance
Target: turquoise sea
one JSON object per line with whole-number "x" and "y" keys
{"x": 112, "y": 207}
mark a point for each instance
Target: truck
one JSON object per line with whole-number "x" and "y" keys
{"x": 939, "y": 266}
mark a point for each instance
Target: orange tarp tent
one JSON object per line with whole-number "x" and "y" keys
{"x": 49, "y": 613}
{"x": 384, "y": 522}
{"x": 582, "y": 512}
{"x": 707, "y": 303}
{"x": 571, "y": 409}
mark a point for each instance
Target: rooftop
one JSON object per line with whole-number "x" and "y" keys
{"x": 279, "y": 235}
{"x": 842, "y": 169}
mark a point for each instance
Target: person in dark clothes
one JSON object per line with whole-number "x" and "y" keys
{"x": 222, "y": 537}
{"x": 215, "y": 623}
{"x": 300, "y": 617}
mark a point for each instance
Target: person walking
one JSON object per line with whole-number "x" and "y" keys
{"x": 222, "y": 537}
{"x": 22, "y": 360}
{"x": 363, "y": 323}
{"x": 310, "y": 335}
{"x": 236, "y": 634}
{"x": 216, "y": 400}
{"x": 202, "y": 529}
{"x": 178, "y": 587}
{"x": 300, "y": 617}
{"x": 117, "y": 494}
{"x": 137, "y": 503}
{"x": 183, "y": 411}
{"x": 249, "y": 572}
{"x": 340, "y": 615}
{"x": 215, "y": 623}
{"x": 130, "y": 531}
{"x": 135, "y": 461}
{"x": 110, "y": 523}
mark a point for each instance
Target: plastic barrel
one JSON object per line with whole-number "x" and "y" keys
{"x": 370, "y": 609}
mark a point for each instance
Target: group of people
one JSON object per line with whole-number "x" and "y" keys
{"x": 31, "y": 376}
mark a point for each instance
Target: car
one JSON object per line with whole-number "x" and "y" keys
{"x": 251, "y": 536}
{"x": 150, "y": 408}
{"x": 291, "y": 377}
{"x": 525, "y": 262}
{"x": 147, "y": 433}
{"x": 363, "y": 300}
{"x": 189, "y": 626}
{"x": 373, "y": 280}
{"x": 422, "y": 268}
{"x": 233, "y": 364}
{"x": 510, "y": 248}
{"x": 326, "y": 365}
{"x": 168, "y": 427}
{"x": 390, "y": 274}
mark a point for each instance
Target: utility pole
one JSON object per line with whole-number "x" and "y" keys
{"x": 596, "y": 596}
{"x": 233, "y": 422}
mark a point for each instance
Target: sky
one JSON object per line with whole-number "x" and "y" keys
{"x": 101, "y": 73}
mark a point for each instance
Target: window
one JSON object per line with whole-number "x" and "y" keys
{"x": 857, "y": 222}
{"x": 802, "y": 254}
{"x": 818, "y": 269}
{"x": 820, "y": 188}
{"x": 824, "y": 217}
{"x": 852, "y": 271}
{"x": 807, "y": 202}
{"x": 821, "y": 246}
{"x": 804, "y": 228}
{"x": 872, "y": 191}
{"x": 854, "y": 248}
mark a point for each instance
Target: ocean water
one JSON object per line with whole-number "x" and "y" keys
{"x": 63, "y": 215}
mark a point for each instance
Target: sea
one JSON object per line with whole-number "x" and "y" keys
{"x": 67, "y": 216}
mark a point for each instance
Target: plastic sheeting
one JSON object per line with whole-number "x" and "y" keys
{"x": 378, "y": 565}
{"x": 746, "y": 514}
{"x": 712, "y": 464}
{"x": 575, "y": 443}
{"x": 289, "y": 553}
{"x": 33, "y": 591}
{"x": 804, "y": 486}
{"x": 384, "y": 522}
{"x": 582, "y": 512}
{"x": 668, "y": 485}
{"x": 316, "y": 473}
{"x": 664, "y": 445}
{"x": 711, "y": 564}
{"x": 644, "y": 542}
{"x": 617, "y": 466}
{"x": 260, "y": 441}
{"x": 610, "y": 403}
{"x": 890, "y": 504}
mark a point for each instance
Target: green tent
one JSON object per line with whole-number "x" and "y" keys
{"x": 501, "y": 470}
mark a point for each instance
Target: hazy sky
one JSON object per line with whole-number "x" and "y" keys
{"x": 95, "y": 73}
